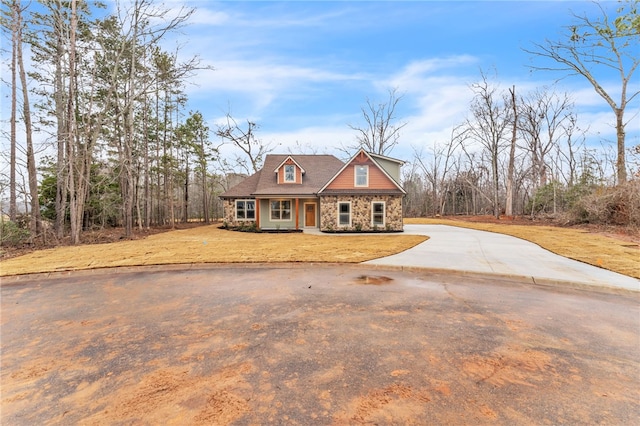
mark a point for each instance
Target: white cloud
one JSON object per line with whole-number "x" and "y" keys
{"x": 209, "y": 17}
{"x": 263, "y": 81}
{"x": 414, "y": 73}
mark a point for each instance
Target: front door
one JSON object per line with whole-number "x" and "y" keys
{"x": 310, "y": 214}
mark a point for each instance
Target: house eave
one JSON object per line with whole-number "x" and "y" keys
{"x": 284, "y": 195}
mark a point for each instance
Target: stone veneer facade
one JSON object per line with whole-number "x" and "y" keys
{"x": 229, "y": 209}
{"x": 360, "y": 212}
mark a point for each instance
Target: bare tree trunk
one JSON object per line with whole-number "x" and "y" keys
{"x": 75, "y": 186}
{"x": 508, "y": 210}
{"x": 172, "y": 206}
{"x": 62, "y": 139}
{"x": 35, "y": 222}
{"x": 13, "y": 209}
{"x": 147, "y": 178}
{"x": 205, "y": 192}
{"x": 621, "y": 166}
{"x": 185, "y": 214}
{"x": 165, "y": 157}
{"x": 159, "y": 194}
{"x": 496, "y": 186}
{"x": 205, "y": 199}
{"x": 129, "y": 135}
{"x": 136, "y": 198}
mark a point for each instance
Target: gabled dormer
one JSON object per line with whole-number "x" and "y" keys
{"x": 289, "y": 172}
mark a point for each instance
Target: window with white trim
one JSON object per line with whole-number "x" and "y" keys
{"x": 344, "y": 213}
{"x": 280, "y": 209}
{"x": 377, "y": 213}
{"x": 361, "y": 176}
{"x": 289, "y": 173}
{"x": 245, "y": 209}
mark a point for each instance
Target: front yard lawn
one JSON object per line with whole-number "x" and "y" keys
{"x": 209, "y": 244}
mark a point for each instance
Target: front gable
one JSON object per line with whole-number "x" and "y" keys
{"x": 362, "y": 173}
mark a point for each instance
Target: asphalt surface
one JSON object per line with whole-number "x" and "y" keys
{"x": 469, "y": 327}
{"x": 313, "y": 344}
{"x": 467, "y": 250}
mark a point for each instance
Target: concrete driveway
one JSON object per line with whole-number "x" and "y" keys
{"x": 468, "y": 250}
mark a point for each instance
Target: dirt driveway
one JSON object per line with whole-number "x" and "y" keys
{"x": 313, "y": 345}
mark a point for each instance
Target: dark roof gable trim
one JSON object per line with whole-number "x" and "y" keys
{"x": 294, "y": 162}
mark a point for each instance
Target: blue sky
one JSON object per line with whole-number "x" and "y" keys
{"x": 302, "y": 70}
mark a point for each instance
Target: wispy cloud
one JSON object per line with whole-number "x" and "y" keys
{"x": 266, "y": 79}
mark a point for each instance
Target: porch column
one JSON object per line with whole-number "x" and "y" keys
{"x": 297, "y": 214}
{"x": 258, "y": 213}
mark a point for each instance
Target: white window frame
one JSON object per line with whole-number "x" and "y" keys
{"x": 245, "y": 209}
{"x": 355, "y": 175}
{"x": 373, "y": 213}
{"x": 280, "y": 210}
{"x": 293, "y": 175}
{"x": 340, "y": 213}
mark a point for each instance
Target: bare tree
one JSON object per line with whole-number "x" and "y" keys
{"x": 194, "y": 137}
{"x": 437, "y": 170}
{"x": 415, "y": 202}
{"x": 545, "y": 118}
{"x": 508, "y": 206}
{"x": 475, "y": 174}
{"x": 14, "y": 99}
{"x": 381, "y": 133}
{"x": 491, "y": 116}
{"x": 590, "y": 46}
{"x": 254, "y": 149}
{"x": 49, "y": 56}
{"x": 35, "y": 220}
{"x": 141, "y": 35}
{"x": 78, "y": 173}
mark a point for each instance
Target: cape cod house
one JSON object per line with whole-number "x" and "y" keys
{"x": 319, "y": 191}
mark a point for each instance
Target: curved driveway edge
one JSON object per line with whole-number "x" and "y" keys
{"x": 467, "y": 250}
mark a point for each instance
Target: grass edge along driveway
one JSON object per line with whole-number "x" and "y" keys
{"x": 209, "y": 244}
{"x": 577, "y": 244}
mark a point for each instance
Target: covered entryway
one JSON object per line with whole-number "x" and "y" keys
{"x": 310, "y": 215}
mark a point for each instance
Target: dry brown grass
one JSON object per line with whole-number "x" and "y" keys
{"x": 606, "y": 252}
{"x": 209, "y": 244}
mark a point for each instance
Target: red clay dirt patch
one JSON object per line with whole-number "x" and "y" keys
{"x": 310, "y": 345}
